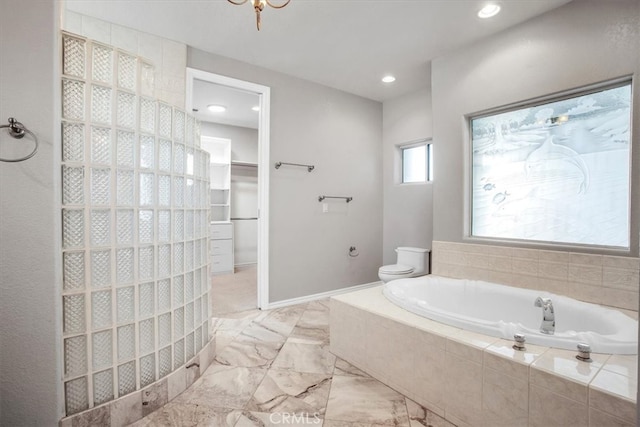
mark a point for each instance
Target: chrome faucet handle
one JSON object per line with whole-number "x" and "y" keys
{"x": 584, "y": 352}
{"x": 542, "y": 302}
{"x": 518, "y": 343}
{"x": 548, "y": 325}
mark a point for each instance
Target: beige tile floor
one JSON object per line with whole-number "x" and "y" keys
{"x": 270, "y": 365}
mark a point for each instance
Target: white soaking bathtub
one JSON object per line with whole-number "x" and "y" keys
{"x": 502, "y": 311}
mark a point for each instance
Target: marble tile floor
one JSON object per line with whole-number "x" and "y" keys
{"x": 274, "y": 368}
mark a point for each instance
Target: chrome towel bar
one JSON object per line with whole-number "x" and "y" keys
{"x": 347, "y": 199}
{"x": 17, "y": 130}
{"x": 309, "y": 167}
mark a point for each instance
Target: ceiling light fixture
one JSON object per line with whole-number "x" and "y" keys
{"x": 258, "y": 5}
{"x": 216, "y": 108}
{"x": 388, "y": 79}
{"x": 256, "y": 108}
{"x": 489, "y": 10}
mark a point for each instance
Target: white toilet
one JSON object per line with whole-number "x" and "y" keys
{"x": 412, "y": 262}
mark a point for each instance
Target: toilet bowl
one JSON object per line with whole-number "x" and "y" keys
{"x": 412, "y": 262}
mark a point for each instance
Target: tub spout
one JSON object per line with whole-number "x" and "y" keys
{"x": 548, "y": 325}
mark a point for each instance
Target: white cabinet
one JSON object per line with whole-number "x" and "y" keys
{"x": 221, "y": 247}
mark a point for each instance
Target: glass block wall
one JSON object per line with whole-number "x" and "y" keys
{"x": 135, "y": 224}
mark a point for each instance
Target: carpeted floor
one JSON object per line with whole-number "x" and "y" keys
{"x": 232, "y": 293}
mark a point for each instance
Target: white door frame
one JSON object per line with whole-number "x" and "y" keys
{"x": 264, "y": 96}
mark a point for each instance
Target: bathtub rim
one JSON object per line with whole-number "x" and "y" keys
{"x": 480, "y": 326}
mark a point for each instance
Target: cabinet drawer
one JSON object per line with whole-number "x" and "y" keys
{"x": 221, "y": 263}
{"x": 220, "y": 247}
{"x": 221, "y": 231}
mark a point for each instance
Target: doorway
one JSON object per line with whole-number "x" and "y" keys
{"x": 239, "y": 193}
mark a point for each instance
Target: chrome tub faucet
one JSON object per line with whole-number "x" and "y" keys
{"x": 548, "y": 325}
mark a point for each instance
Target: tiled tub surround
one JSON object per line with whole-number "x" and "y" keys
{"x": 503, "y": 311}
{"x": 473, "y": 379}
{"x": 600, "y": 279}
{"x": 135, "y": 228}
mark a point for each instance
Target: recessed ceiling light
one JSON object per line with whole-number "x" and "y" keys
{"x": 216, "y": 108}
{"x": 256, "y": 108}
{"x": 388, "y": 79}
{"x": 489, "y": 10}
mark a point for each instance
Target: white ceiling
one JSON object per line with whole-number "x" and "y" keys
{"x": 345, "y": 44}
{"x": 238, "y": 104}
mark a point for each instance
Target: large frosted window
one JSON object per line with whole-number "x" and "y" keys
{"x": 555, "y": 172}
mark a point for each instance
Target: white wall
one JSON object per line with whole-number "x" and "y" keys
{"x": 244, "y": 141}
{"x": 341, "y": 135}
{"x": 30, "y": 230}
{"x": 168, "y": 57}
{"x": 581, "y": 43}
{"x": 408, "y": 210}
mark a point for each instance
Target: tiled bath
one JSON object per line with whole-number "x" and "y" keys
{"x": 476, "y": 380}
{"x": 600, "y": 279}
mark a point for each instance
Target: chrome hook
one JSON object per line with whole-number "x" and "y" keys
{"x": 16, "y": 129}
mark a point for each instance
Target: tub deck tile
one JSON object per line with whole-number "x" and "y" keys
{"x": 615, "y": 394}
{"x": 547, "y": 408}
{"x": 488, "y": 383}
{"x": 559, "y": 371}
{"x": 623, "y": 364}
{"x": 469, "y": 345}
{"x": 504, "y": 399}
{"x": 502, "y": 357}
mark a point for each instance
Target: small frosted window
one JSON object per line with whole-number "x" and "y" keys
{"x": 416, "y": 163}
{"x": 555, "y": 172}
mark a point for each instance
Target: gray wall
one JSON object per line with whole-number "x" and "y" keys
{"x": 341, "y": 134}
{"x": 408, "y": 211}
{"x": 581, "y": 43}
{"x": 244, "y": 141}
{"x": 30, "y": 230}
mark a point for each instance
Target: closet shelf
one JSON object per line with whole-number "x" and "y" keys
{"x": 241, "y": 163}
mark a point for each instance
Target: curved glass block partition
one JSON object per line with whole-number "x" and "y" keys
{"x": 135, "y": 225}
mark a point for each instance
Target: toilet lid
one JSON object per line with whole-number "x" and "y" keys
{"x": 396, "y": 269}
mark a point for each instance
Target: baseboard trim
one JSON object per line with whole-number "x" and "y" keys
{"x": 245, "y": 264}
{"x": 321, "y": 295}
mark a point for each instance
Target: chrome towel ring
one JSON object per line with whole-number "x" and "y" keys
{"x": 18, "y": 131}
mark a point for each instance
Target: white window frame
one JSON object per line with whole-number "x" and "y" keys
{"x": 427, "y": 143}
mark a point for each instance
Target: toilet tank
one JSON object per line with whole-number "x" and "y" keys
{"x": 418, "y": 258}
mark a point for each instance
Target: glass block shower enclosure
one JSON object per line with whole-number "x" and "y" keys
{"x": 135, "y": 224}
